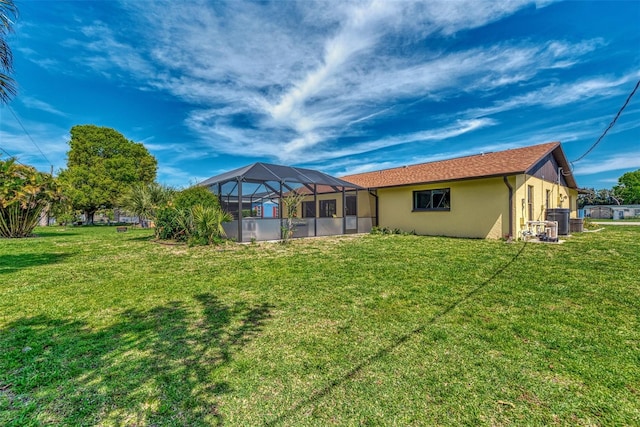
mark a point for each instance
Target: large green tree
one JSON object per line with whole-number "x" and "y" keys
{"x": 103, "y": 165}
{"x": 604, "y": 196}
{"x": 8, "y": 10}
{"x": 628, "y": 188}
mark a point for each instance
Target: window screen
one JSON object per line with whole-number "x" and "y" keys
{"x": 432, "y": 200}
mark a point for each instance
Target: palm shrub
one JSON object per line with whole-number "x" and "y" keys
{"x": 193, "y": 215}
{"x": 24, "y": 193}
{"x": 145, "y": 200}
{"x": 201, "y": 225}
{"x": 207, "y": 223}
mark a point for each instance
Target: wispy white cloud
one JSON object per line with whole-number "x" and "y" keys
{"x": 289, "y": 79}
{"x": 619, "y": 161}
{"x": 293, "y": 80}
{"x": 177, "y": 177}
{"x": 101, "y": 51}
{"x": 555, "y": 95}
{"x": 37, "y": 104}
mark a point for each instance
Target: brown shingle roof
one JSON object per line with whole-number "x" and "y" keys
{"x": 508, "y": 162}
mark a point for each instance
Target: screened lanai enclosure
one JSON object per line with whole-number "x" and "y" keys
{"x": 254, "y": 196}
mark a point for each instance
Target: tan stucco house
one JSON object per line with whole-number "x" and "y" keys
{"x": 489, "y": 195}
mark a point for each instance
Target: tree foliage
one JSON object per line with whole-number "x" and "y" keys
{"x": 144, "y": 200}
{"x": 24, "y": 193}
{"x": 8, "y": 10}
{"x": 603, "y": 196}
{"x": 103, "y": 165}
{"x": 628, "y": 188}
{"x": 192, "y": 196}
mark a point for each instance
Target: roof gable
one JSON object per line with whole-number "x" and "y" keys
{"x": 501, "y": 163}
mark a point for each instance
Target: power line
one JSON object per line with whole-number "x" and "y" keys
{"x": 613, "y": 122}
{"x": 11, "y": 156}
{"x": 27, "y": 133}
{"x": 5, "y": 152}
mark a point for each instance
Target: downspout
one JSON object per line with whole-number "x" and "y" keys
{"x": 506, "y": 181}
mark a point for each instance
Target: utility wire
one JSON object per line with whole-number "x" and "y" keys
{"x": 27, "y": 133}
{"x": 11, "y": 156}
{"x": 613, "y": 122}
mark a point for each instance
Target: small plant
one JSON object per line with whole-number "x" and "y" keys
{"x": 290, "y": 202}
{"x": 247, "y": 213}
{"x": 387, "y": 230}
{"x": 589, "y": 225}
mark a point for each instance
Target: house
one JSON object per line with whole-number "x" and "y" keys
{"x": 612, "y": 211}
{"x": 489, "y": 195}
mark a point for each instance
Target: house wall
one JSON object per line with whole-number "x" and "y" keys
{"x": 479, "y": 209}
{"x": 560, "y": 196}
{"x": 548, "y": 169}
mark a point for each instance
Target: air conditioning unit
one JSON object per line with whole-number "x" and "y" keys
{"x": 551, "y": 231}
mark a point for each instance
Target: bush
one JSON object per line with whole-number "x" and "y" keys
{"x": 194, "y": 216}
{"x": 193, "y": 196}
{"x": 24, "y": 192}
{"x": 167, "y": 224}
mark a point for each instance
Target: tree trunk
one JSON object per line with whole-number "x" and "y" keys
{"x": 88, "y": 217}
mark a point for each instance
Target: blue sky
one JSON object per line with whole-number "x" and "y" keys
{"x": 343, "y": 87}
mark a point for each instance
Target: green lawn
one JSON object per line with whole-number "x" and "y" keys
{"x": 106, "y": 328}
{"x": 614, "y": 220}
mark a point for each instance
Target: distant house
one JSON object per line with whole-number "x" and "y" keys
{"x": 489, "y": 195}
{"x": 612, "y": 211}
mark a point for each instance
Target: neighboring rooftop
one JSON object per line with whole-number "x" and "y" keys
{"x": 501, "y": 163}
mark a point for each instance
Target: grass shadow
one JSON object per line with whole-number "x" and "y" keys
{"x": 385, "y": 351}
{"x": 13, "y": 263}
{"x": 40, "y": 234}
{"x": 150, "y": 367}
{"x": 141, "y": 238}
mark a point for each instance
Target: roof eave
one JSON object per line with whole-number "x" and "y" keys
{"x": 439, "y": 181}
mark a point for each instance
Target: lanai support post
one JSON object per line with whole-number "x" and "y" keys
{"x": 344, "y": 212}
{"x": 357, "y": 214}
{"x": 239, "y": 209}
{"x": 315, "y": 209}
{"x": 280, "y": 210}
